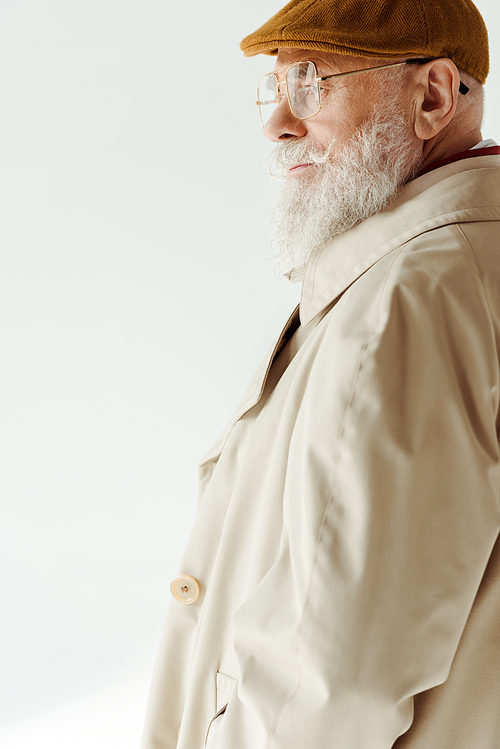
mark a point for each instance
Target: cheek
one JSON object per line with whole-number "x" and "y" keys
{"x": 343, "y": 111}
{"x": 329, "y": 133}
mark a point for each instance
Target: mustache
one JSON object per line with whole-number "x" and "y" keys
{"x": 290, "y": 153}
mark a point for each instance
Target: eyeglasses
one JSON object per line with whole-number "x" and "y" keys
{"x": 303, "y": 92}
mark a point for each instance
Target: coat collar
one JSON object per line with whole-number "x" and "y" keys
{"x": 467, "y": 190}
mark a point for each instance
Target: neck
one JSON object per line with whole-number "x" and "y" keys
{"x": 438, "y": 148}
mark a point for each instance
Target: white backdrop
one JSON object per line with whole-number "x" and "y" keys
{"x": 137, "y": 297}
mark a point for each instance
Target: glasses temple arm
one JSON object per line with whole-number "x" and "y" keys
{"x": 462, "y": 89}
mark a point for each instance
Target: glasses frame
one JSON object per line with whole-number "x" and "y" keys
{"x": 463, "y": 89}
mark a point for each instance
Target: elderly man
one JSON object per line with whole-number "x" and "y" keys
{"x": 341, "y": 587}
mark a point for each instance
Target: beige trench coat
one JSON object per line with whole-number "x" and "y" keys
{"x": 344, "y": 545}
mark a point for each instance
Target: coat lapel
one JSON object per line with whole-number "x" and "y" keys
{"x": 254, "y": 390}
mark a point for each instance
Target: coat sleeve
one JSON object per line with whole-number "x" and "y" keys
{"x": 391, "y": 510}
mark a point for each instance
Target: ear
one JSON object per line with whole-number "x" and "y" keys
{"x": 438, "y": 82}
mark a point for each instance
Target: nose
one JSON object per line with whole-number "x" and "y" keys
{"x": 282, "y": 124}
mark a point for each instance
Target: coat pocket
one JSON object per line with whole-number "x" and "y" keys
{"x": 225, "y": 686}
{"x": 213, "y": 726}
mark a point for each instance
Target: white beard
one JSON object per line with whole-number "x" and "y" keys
{"x": 359, "y": 180}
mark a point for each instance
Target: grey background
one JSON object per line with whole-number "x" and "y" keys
{"x": 137, "y": 297}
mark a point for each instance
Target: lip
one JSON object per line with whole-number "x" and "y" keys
{"x": 299, "y": 166}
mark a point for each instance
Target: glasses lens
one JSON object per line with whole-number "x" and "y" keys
{"x": 303, "y": 89}
{"x": 267, "y": 96}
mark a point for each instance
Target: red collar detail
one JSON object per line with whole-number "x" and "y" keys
{"x": 488, "y": 151}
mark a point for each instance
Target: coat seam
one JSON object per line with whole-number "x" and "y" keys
{"x": 486, "y": 300}
{"x": 481, "y": 281}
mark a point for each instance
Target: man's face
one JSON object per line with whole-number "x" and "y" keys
{"x": 345, "y": 163}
